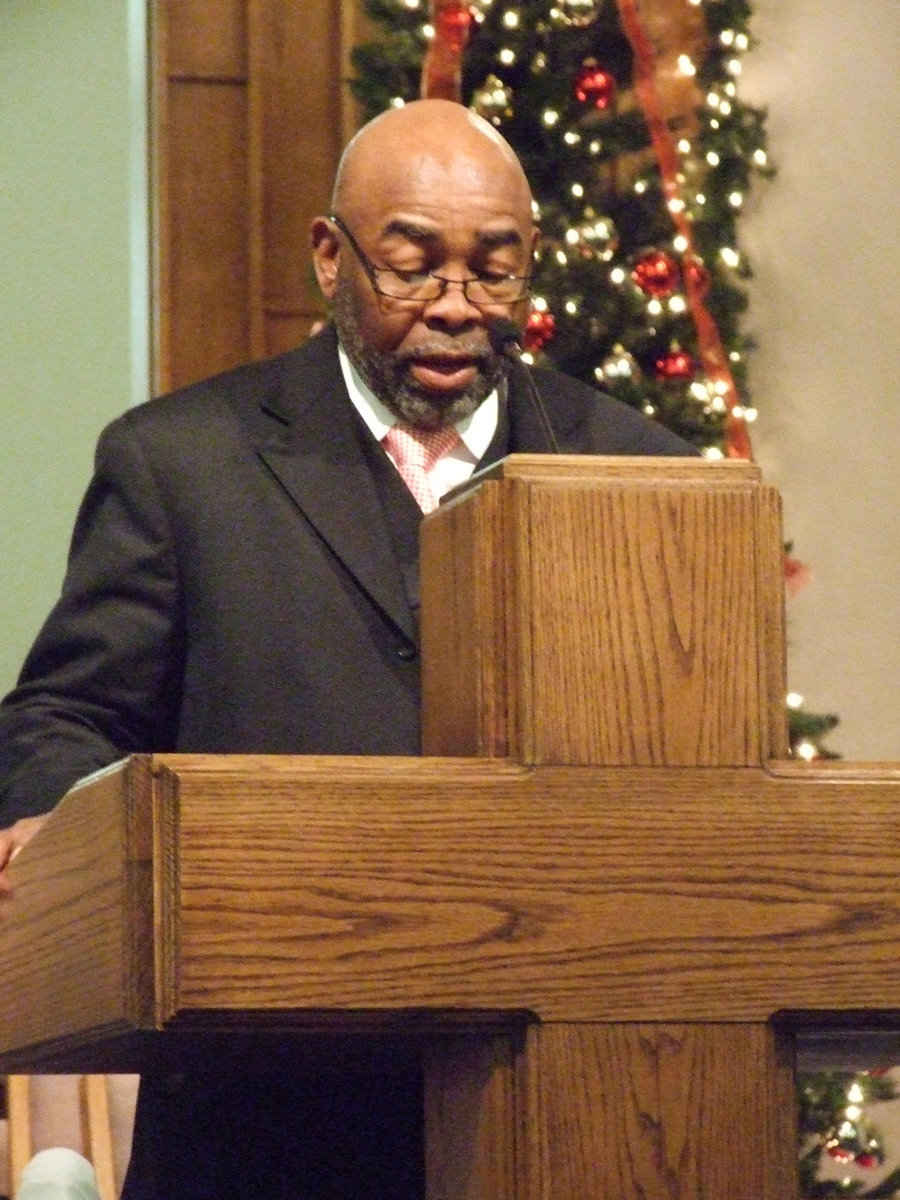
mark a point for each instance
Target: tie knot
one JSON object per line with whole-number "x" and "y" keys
{"x": 415, "y": 451}
{"x": 419, "y": 448}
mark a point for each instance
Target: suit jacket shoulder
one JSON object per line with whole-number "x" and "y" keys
{"x": 588, "y": 421}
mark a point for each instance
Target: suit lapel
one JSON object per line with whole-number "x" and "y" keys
{"x": 313, "y": 448}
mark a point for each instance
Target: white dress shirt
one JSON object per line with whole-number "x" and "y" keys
{"x": 476, "y": 431}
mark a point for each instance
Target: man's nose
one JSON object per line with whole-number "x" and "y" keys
{"x": 452, "y": 306}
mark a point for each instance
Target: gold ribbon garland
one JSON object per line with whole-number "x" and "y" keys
{"x": 663, "y": 107}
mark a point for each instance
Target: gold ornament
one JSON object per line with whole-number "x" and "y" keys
{"x": 493, "y": 100}
{"x": 578, "y": 13}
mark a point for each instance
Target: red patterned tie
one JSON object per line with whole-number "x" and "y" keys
{"x": 414, "y": 452}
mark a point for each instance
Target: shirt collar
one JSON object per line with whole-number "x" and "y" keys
{"x": 476, "y": 431}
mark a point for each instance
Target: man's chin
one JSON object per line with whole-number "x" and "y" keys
{"x": 429, "y": 409}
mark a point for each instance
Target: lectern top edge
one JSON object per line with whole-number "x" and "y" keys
{"x": 603, "y": 468}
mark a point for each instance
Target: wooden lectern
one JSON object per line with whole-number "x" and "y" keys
{"x": 600, "y": 908}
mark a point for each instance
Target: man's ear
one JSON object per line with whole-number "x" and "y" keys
{"x": 326, "y": 248}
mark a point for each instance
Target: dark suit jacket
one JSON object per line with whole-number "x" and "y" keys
{"x": 240, "y": 577}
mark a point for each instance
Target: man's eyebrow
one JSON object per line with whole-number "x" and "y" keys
{"x": 493, "y": 240}
{"x": 400, "y": 227}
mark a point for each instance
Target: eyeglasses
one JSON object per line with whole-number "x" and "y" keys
{"x": 483, "y": 290}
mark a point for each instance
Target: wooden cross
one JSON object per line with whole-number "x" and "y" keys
{"x": 601, "y": 909}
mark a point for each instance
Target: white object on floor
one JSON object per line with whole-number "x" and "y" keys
{"x": 58, "y": 1174}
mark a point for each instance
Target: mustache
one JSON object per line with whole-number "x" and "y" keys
{"x": 468, "y": 348}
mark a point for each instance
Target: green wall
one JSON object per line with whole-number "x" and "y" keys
{"x": 74, "y": 253}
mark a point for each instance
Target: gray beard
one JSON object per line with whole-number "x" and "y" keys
{"x": 389, "y": 378}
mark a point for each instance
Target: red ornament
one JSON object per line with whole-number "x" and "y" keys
{"x": 442, "y": 65}
{"x": 676, "y": 364}
{"x": 539, "y": 330}
{"x": 594, "y": 86}
{"x": 839, "y": 1152}
{"x": 656, "y": 274}
{"x": 452, "y": 23}
{"x": 866, "y": 1160}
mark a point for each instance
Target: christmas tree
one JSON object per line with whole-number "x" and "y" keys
{"x": 641, "y": 155}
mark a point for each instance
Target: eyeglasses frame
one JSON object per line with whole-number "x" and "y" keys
{"x": 372, "y": 273}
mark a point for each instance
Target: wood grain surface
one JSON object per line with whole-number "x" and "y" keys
{"x": 606, "y": 611}
{"x": 77, "y": 937}
{"x": 628, "y": 894}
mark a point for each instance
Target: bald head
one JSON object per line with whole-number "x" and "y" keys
{"x": 431, "y": 138}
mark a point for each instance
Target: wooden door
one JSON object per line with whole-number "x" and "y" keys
{"x": 250, "y": 114}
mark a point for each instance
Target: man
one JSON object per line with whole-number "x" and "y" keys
{"x": 243, "y": 578}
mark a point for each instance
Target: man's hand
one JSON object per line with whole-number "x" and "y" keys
{"x": 11, "y": 842}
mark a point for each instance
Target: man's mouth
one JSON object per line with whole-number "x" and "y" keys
{"x": 444, "y": 372}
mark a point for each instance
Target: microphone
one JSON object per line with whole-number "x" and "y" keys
{"x": 505, "y": 340}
